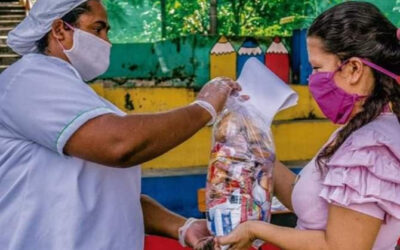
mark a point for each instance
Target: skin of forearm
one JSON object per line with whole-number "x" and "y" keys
{"x": 283, "y": 184}
{"x": 289, "y": 238}
{"x": 158, "y": 133}
{"x": 159, "y": 220}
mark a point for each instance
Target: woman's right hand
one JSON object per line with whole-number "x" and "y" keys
{"x": 217, "y": 91}
{"x": 239, "y": 239}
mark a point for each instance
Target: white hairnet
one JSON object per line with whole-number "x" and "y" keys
{"x": 23, "y": 38}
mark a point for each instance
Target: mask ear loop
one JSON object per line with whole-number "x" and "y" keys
{"x": 342, "y": 65}
{"x": 69, "y": 26}
{"x": 339, "y": 68}
{"x": 59, "y": 43}
{"x": 382, "y": 70}
{"x": 355, "y": 96}
{"x": 389, "y": 107}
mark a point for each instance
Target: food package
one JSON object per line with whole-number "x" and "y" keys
{"x": 240, "y": 173}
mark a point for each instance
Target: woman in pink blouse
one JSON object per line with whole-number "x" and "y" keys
{"x": 348, "y": 196}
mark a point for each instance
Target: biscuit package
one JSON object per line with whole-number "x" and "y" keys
{"x": 240, "y": 172}
{"x": 240, "y": 176}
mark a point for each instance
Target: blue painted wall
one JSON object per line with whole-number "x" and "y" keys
{"x": 249, "y": 43}
{"x": 178, "y": 193}
{"x": 301, "y": 68}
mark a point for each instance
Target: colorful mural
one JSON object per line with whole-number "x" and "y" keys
{"x": 250, "y": 48}
{"x": 277, "y": 59}
{"x": 223, "y": 59}
{"x": 192, "y": 61}
{"x": 225, "y": 62}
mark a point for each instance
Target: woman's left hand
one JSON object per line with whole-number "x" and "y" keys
{"x": 239, "y": 239}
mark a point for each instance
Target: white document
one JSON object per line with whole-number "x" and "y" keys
{"x": 268, "y": 93}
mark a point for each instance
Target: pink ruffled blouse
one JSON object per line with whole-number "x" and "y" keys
{"x": 363, "y": 175}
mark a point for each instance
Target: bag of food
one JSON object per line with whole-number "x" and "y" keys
{"x": 240, "y": 173}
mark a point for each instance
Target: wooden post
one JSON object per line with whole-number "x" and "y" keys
{"x": 213, "y": 17}
{"x": 163, "y": 19}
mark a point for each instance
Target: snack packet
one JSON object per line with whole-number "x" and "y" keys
{"x": 240, "y": 173}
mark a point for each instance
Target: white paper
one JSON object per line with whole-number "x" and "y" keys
{"x": 268, "y": 93}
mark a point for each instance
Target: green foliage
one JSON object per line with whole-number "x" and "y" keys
{"x": 186, "y": 17}
{"x": 143, "y": 20}
{"x": 315, "y": 7}
{"x": 258, "y": 17}
{"x": 391, "y": 8}
{"x": 134, "y": 20}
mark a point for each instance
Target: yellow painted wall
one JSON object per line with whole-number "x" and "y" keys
{"x": 150, "y": 99}
{"x": 303, "y": 108}
{"x": 162, "y": 99}
{"x": 223, "y": 65}
{"x": 295, "y": 140}
{"x": 98, "y": 88}
{"x": 194, "y": 152}
{"x": 316, "y": 110}
{"x": 300, "y": 140}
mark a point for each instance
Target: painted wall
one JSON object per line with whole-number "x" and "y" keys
{"x": 179, "y": 193}
{"x": 299, "y": 132}
{"x": 184, "y": 62}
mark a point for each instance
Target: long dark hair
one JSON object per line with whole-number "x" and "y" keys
{"x": 359, "y": 29}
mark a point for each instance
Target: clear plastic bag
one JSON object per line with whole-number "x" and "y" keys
{"x": 240, "y": 172}
{"x": 240, "y": 176}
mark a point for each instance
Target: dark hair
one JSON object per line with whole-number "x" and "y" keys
{"x": 359, "y": 29}
{"x": 71, "y": 17}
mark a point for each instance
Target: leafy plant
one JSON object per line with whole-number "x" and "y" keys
{"x": 146, "y": 20}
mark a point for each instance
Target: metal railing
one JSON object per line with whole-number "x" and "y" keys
{"x": 28, "y": 4}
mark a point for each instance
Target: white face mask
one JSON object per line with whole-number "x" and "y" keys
{"x": 89, "y": 54}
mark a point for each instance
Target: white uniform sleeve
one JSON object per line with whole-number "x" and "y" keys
{"x": 48, "y": 107}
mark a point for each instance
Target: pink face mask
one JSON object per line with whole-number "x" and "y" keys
{"x": 335, "y": 103}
